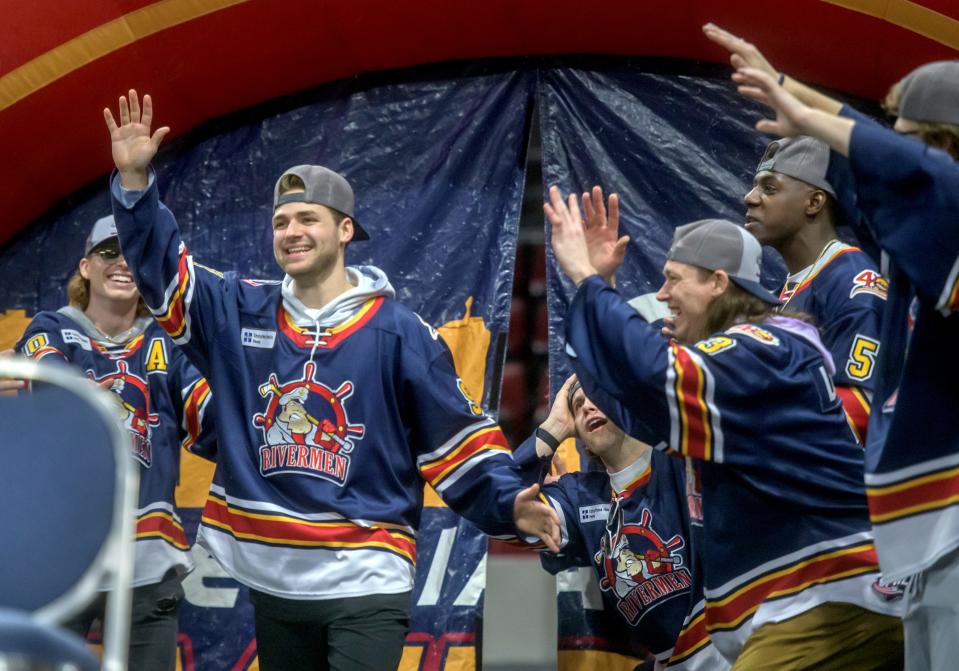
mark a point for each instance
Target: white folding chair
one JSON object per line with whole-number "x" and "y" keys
{"x": 68, "y": 490}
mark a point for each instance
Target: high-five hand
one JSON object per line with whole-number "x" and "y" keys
{"x": 536, "y": 518}
{"x": 133, "y": 145}
{"x": 606, "y": 249}
{"x": 742, "y": 54}
{"x": 568, "y": 237}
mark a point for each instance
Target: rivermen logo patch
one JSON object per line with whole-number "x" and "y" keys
{"x": 639, "y": 567}
{"x": 132, "y": 397}
{"x": 306, "y": 428}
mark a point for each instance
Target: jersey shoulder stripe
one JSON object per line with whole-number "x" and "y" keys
{"x": 835, "y": 251}
{"x": 695, "y": 430}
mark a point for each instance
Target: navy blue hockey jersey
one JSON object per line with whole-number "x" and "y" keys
{"x": 161, "y": 402}
{"x": 909, "y": 193}
{"x": 632, "y": 529}
{"x": 785, "y": 525}
{"x": 844, "y": 292}
{"x": 326, "y": 434}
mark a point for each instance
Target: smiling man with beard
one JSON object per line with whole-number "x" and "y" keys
{"x": 322, "y": 526}
{"x": 789, "y": 565}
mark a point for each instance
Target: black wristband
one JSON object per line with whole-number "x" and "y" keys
{"x": 782, "y": 78}
{"x": 547, "y": 438}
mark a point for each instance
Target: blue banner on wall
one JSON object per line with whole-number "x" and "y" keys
{"x": 438, "y": 166}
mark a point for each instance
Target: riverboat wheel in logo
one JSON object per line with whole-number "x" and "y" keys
{"x": 639, "y": 567}
{"x": 306, "y": 428}
{"x": 132, "y": 397}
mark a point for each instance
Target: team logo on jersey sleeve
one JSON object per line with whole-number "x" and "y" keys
{"x": 869, "y": 282}
{"x": 306, "y": 428}
{"x": 131, "y": 395}
{"x": 639, "y": 567}
{"x": 756, "y": 333}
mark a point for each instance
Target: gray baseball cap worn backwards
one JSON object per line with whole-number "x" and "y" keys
{"x": 803, "y": 158}
{"x": 323, "y": 187}
{"x": 104, "y": 230}
{"x": 717, "y": 244}
{"x": 930, "y": 93}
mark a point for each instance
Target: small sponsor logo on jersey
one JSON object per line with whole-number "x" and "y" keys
{"x": 640, "y": 567}
{"x": 306, "y": 428}
{"x": 261, "y": 338}
{"x": 754, "y": 332}
{"x": 869, "y": 282}
{"x": 595, "y": 513}
{"x": 73, "y": 336}
{"x": 131, "y": 395}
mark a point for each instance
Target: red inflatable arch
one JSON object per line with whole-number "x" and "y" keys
{"x": 62, "y": 62}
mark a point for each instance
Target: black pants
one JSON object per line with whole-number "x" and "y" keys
{"x": 153, "y": 623}
{"x": 363, "y": 633}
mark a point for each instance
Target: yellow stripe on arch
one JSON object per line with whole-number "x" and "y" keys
{"x": 101, "y": 41}
{"x": 908, "y": 15}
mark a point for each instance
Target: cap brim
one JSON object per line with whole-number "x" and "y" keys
{"x": 756, "y": 289}
{"x": 97, "y": 246}
{"x": 359, "y": 233}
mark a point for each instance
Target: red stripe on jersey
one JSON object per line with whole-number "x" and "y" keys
{"x": 489, "y": 438}
{"x": 330, "y": 338}
{"x": 928, "y": 492}
{"x": 691, "y": 639}
{"x": 173, "y": 320}
{"x": 808, "y": 280}
{"x": 112, "y": 352}
{"x": 191, "y": 411}
{"x": 289, "y": 531}
{"x": 729, "y": 612}
{"x": 160, "y": 524}
{"x": 635, "y": 484}
{"x": 857, "y": 410}
{"x": 696, "y": 438}
{"x": 47, "y": 351}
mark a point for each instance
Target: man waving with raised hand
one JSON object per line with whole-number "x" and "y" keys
{"x": 336, "y": 404}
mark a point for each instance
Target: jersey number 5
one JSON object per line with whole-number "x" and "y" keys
{"x": 862, "y": 358}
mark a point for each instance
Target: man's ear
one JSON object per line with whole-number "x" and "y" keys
{"x": 85, "y": 268}
{"x": 815, "y": 203}
{"x": 346, "y": 230}
{"x": 720, "y": 282}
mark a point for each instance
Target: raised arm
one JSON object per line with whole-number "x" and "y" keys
{"x": 743, "y": 54}
{"x": 793, "y": 117}
{"x": 606, "y": 247}
{"x": 132, "y": 144}
{"x": 185, "y": 300}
